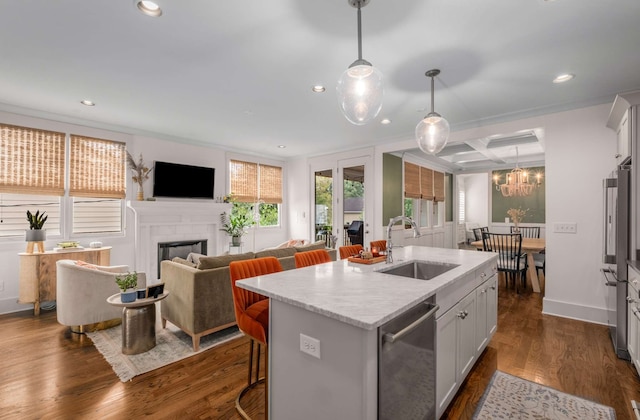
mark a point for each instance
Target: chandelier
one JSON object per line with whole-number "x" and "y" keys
{"x": 517, "y": 182}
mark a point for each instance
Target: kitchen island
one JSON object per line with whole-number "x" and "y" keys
{"x": 334, "y": 311}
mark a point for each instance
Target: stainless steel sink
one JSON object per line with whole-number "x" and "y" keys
{"x": 420, "y": 270}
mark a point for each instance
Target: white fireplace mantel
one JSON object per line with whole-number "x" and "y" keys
{"x": 165, "y": 221}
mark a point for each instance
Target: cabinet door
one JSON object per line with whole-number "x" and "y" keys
{"x": 624, "y": 138}
{"x": 446, "y": 344}
{"x": 633, "y": 319}
{"x": 481, "y": 318}
{"x": 492, "y": 306}
{"x": 466, "y": 334}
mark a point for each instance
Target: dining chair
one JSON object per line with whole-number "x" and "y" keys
{"x": 349, "y": 251}
{"x": 539, "y": 259}
{"x": 252, "y": 317}
{"x": 527, "y": 231}
{"x": 511, "y": 260}
{"x": 307, "y": 258}
{"x": 477, "y": 233}
{"x": 381, "y": 245}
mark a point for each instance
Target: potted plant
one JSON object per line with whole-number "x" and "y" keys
{"x": 236, "y": 225}
{"x": 36, "y": 221}
{"x": 127, "y": 283}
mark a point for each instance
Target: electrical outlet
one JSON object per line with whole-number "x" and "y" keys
{"x": 565, "y": 227}
{"x": 310, "y": 345}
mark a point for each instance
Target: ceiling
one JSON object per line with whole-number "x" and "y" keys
{"x": 238, "y": 75}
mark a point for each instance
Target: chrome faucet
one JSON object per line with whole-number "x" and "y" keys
{"x": 393, "y": 221}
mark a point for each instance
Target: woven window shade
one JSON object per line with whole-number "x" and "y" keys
{"x": 438, "y": 186}
{"x": 31, "y": 161}
{"x": 426, "y": 183}
{"x": 244, "y": 181}
{"x": 270, "y": 184}
{"x": 97, "y": 168}
{"x": 411, "y": 180}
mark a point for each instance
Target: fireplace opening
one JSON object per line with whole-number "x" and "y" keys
{"x": 170, "y": 250}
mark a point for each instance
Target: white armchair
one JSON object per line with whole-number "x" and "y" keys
{"x": 82, "y": 290}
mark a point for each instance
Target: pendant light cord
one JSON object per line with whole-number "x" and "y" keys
{"x": 359, "y": 33}
{"x": 432, "y": 95}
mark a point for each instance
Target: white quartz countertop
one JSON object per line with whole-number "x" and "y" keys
{"x": 359, "y": 295}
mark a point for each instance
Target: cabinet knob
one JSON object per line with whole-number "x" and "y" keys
{"x": 493, "y": 287}
{"x": 632, "y": 300}
{"x": 483, "y": 274}
{"x": 483, "y": 291}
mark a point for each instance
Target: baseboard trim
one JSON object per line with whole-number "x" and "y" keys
{"x": 10, "y": 305}
{"x": 569, "y": 310}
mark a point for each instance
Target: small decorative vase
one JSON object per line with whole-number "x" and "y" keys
{"x": 235, "y": 240}
{"x": 128, "y": 296}
{"x": 140, "y": 193}
{"x": 516, "y": 226}
{"x": 36, "y": 235}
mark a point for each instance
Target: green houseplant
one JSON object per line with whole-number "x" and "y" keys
{"x": 236, "y": 225}
{"x": 36, "y": 222}
{"x": 127, "y": 283}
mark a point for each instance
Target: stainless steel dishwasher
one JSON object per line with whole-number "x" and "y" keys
{"x": 406, "y": 365}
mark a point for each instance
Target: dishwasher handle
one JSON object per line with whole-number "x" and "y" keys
{"x": 391, "y": 338}
{"x": 611, "y": 273}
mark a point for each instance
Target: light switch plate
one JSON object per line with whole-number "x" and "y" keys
{"x": 565, "y": 227}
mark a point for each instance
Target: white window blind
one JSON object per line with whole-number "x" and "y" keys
{"x": 461, "y": 207}
{"x": 13, "y": 213}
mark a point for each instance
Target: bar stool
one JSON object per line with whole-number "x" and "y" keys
{"x": 307, "y": 258}
{"x": 349, "y": 250}
{"x": 252, "y": 317}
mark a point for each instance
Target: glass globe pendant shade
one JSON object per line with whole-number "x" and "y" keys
{"x": 432, "y": 133}
{"x": 360, "y": 93}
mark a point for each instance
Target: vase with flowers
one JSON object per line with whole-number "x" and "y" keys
{"x": 140, "y": 173}
{"x": 516, "y": 216}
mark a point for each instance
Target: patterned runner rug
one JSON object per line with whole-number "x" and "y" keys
{"x": 172, "y": 344}
{"x": 510, "y": 397}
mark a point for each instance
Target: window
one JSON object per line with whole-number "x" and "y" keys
{"x": 32, "y": 177}
{"x": 424, "y": 189}
{"x": 257, "y": 188}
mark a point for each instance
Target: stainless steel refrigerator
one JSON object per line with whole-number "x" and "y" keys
{"x": 617, "y": 228}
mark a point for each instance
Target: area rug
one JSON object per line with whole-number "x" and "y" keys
{"x": 510, "y": 397}
{"x": 172, "y": 345}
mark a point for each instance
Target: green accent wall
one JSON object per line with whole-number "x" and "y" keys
{"x": 392, "y": 194}
{"x": 533, "y": 204}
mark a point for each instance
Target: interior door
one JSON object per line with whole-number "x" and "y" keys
{"x": 353, "y": 204}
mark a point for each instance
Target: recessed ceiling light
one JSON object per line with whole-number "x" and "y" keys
{"x": 385, "y": 121}
{"x": 149, "y": 8}
{"x": 318, "y": 89}
{"x": 87, "y": 102}
{"x": 564, "y": 78}
{"x": 282, "y": 146}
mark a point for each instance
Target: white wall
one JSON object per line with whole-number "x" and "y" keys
{"x": 476, "y": 187}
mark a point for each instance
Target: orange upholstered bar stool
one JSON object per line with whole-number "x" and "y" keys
{"x": 307, "y": 258}
{"x": 381, "y": 245}
{"x": 349, "y": 250}
{"x": 252, "y": 316}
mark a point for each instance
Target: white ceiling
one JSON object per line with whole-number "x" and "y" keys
{"x": 238, "y": 75}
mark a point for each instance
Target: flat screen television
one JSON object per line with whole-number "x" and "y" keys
{"x": 182, "y": 181}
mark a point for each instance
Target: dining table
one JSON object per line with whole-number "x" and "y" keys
{"x": 530, "y": 246}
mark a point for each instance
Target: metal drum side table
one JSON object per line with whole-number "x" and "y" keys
{"x": 138, "y": 323}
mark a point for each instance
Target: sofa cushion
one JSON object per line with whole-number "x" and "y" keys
{"x": 311, "y": 247}
{"x": 278, "y": 253}
{"x": 222, "y": 260}
{"x": 85, "y": 264}
{"x": 194, "y": 257}
{"x": 183, "y": 261}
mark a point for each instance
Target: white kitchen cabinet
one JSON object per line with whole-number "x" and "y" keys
{"x": 487, "y": 313}
{"x": 492, "y": 306}
{"x": 633, "y": 318}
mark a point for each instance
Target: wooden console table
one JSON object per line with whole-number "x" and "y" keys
{"x": 38, "y": 272}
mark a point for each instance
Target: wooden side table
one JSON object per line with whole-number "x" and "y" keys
{"x": 38, "y": 272}
{"x": 138, "y": 323}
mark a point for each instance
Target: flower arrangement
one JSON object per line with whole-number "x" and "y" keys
{"x": 141, "y": 172}
{"x": 517, "y": 215}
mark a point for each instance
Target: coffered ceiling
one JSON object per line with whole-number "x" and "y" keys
{"x": 239, "y": 75}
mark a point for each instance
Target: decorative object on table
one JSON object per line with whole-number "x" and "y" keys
{"x": 507, "y": 395}
{"x": 517, "y": 182}
{"x": 373, "y": 260}
{"x": 127, "y": 283}
{"x": 516, "y": 216}
{"x": 36, "y": 235}
{"x": 235, "y": 226}
{"x": 172, "y": 345}
{"x": 68, "y": 246}
{"x": 95, "y": 244}
{"x": 141, "y": 173}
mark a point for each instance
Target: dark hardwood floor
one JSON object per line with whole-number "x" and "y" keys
{"x": 46, "y": 372}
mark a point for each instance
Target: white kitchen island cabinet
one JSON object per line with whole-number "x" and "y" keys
{"x": 333, "y": 312}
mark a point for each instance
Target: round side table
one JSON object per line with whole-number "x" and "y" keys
{"x": 138, "y": 323}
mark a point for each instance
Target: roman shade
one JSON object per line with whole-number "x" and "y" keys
{"x": 426, "y": 183}
{"x": 31, "y": 161}
{"x": 438, "y": 186}
{"x": 411, "y": 180}
{"x": 252, "y": 182}
{"x": 96, "y": 168}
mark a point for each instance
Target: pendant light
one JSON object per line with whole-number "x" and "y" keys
{"x": 432, "y": 132}
{"x": 360, "y": 86}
